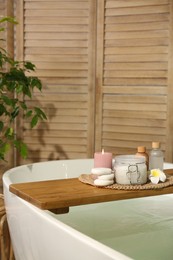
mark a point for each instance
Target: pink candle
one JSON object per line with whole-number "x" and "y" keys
{"x": 102, "y": 160}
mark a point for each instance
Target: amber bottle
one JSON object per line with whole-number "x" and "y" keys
{"x": 141, "y": 151}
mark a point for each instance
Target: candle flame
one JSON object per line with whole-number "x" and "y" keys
{"x": 102, "y": 151}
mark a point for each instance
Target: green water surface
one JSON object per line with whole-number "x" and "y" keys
{"x": 139, "y": 228}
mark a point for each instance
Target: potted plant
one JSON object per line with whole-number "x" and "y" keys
{"x": 15, "y": 84}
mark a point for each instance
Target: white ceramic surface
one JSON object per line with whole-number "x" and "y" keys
{"x": 38, "y": 234}
{"x": 141, "y": 229}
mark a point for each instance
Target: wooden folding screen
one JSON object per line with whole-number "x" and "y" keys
{"x": 106, "y": 68}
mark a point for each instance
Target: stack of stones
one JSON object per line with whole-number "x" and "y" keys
{"x": 103, "y": 176}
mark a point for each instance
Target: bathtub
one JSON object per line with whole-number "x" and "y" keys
{"x": 129, "y": 229}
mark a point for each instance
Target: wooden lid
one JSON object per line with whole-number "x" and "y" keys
{"x": 155, "y": 145}
{"x": 141, "y": 149}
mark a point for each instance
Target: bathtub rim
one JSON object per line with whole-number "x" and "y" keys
{"x": 49, "y": 216}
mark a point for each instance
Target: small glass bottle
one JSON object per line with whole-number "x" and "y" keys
{"x": 156, "y": 157}
{"x": 141, "y": 151}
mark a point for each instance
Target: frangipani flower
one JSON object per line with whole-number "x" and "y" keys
{"x": 157, "y": 175}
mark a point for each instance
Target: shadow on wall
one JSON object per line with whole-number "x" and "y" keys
{"x": 54, "y": 155}
{"x": 43, "y": 131}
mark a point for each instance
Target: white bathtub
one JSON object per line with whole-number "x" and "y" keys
{"x": 131, "y": 229}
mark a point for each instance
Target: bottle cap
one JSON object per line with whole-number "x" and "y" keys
{"x": 155, "y": 145}
{"x": 141, "y": 149}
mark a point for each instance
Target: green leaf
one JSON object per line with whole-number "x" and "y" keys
{"x": 26, "y": 91}
{"x": 35, "y": 82}
{"x": 19, "y": 89}
{"x": 34, "y": 121}
{"x": 40, "y": 113}
{"x": 7, "y": 100}
{"x": 24, "y": 151}
{"x": 29, "y": 65}
{"x": 14, "y": 113}
{"x": 8, "y": 19}
{"x": 2, "y": 109}
{"x": 28, "y": 114}
{"x": 1, "y": 125}
{"x": 23, "y": 105}
{"x": 9, "y": 133}
{"x": 4, "y": 148}
{"x": 21, "y": 147}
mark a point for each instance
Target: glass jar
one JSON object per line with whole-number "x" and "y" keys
{"x": 130, "y": 169}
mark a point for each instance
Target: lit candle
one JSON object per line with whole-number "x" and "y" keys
{"x": 102, "y": 159}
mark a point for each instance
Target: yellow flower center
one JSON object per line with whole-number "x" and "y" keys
{"x": 155, "y": 173}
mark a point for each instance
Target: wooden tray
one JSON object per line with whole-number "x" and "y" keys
{"x": 59, "y": 195}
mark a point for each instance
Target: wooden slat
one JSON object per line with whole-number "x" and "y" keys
{"x": 155, "y": 66}
{"x": 55, "y": 51}
{"x": 136, "y": 34}
{"x": 63, "y": 73}
{"x": 58, "y": 58}
{"x": 136, "y": 50}
{"x": 76, "y": 28}
{"x": 126, "y": 27}
{"x": 59, "y": 141}
{"x": 154, "y": 9}
{"x": 118, "y": 4}
{"x": 127, "y": 144}
{"x": 57, "y": 126}
{"x": 58, "y": 21}
{"x": 150, "y": 41}
{"x": 138, "y": 18}
{"x": 63, "y": 88}
{"x": 50, "y": 148}
{"x": 59, "y": 13}
{"x": 72, "y": 5}
{"x": 137, "y": 114}
{"x": 135, "y": 74}
{"x": 57, "y": 133}
{"x": 133, "y": 122}
{"x": 54, "y": 43}
{"x": 151, "y": 90}
{"x": 145, "y": 99}
{"x": 136, "y": 81}
{"x": 142, "y": 139}
{"x": 132, "y": 106}
{"x": 64, "y": 105}
{"x": 61, "y": 97}
{"x": 137, "y": 58}
{"x": 135, "y": 129}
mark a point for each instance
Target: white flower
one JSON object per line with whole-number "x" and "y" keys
{"x": 157, "y": 175}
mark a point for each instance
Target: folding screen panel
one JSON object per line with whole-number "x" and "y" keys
{"x": 134, "y": 71}
{"x": 59, "y": 38}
